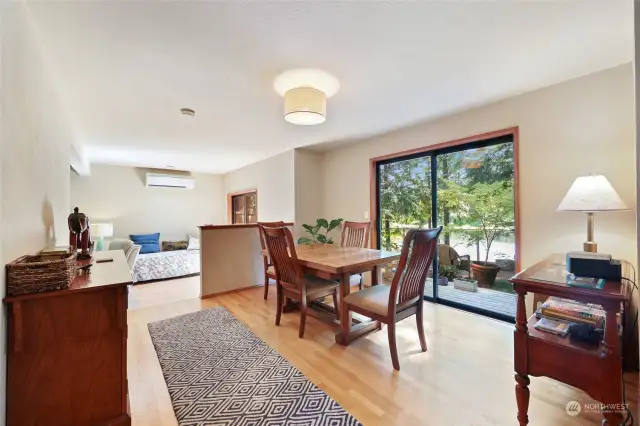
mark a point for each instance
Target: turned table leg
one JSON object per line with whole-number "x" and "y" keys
{"x": 375, "y": 275}
{"x": 522, "y": 398}
{"x": 346, "y": 317}
{"x": 520, "y": 359}
{"x": 612, "y": 374}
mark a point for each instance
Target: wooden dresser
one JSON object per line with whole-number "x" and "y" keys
{"x": 67, "y": 351}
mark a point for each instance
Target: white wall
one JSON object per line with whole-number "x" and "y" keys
{"x": 308, "y": 189}
{"x": 567, "y": 130}
{"x": 274, "y": 180}
{"x": 35, "y": 141}
{"x": 119, "y": 195}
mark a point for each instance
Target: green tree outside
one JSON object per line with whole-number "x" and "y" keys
{"x": 475, "y": 196}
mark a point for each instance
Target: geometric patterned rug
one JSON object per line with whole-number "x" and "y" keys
{"x": 220, "y": 374}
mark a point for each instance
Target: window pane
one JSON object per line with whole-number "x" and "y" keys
{"x": 252, "y": 213}
{"x": 476, "y": 207}
{"x": 405, "y": 202}
{"x": 238, "y": 209}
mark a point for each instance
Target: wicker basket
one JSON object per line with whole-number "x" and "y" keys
{"x": 34, "y": 274}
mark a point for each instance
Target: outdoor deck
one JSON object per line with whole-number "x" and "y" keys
{"x": 492, "y": 300}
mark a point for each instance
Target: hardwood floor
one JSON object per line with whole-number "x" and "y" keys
{"x": 465, "y": 378}
{"x": 163, "y": 292}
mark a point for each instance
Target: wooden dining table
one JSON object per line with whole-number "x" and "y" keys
{"x": 338, "y": 263}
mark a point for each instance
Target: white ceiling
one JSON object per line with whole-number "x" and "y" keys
{"x": 126, "y": 68}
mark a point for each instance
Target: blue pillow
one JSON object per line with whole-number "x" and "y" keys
{"x": 150, "y": 243}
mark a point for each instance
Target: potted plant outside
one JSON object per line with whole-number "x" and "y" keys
{"x": 465, "y": 284}
{"x": 446, "y": 273}
{"x": 489, "y": 207}
{"x": 485, "y": 272}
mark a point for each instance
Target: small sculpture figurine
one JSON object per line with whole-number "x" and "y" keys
{"x": 80, "y": 234}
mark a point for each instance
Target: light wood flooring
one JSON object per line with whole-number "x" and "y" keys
{"x": 464, "y": 379}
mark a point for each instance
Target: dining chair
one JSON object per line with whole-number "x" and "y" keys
{"x": 269, "y": 272}
{"x": 291, "y": 282}
{"x": 355, "y": 234}
{"x": 390, "y": 304}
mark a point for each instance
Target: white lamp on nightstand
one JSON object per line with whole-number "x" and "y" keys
{"x": 591, "y": 194}
{"x": 99, "y": 231}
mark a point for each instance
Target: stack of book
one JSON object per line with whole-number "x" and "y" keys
{"x": 557, "y": 314}
{"x": 561, "y": 328}
{"x": 56, "y": 250}
{"x": 574, "y": 312}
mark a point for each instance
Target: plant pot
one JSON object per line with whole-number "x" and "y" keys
{"x": 484, "y": 272}
{"x": 443, "y": 281}
{"x": 466, "y": 285}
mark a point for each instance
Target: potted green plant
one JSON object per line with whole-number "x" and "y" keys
{"x": 466, "y": 284}
{"x": 447, "y": 272}
{"x": 489, "y": 208}
{"x": 319, "y": 232}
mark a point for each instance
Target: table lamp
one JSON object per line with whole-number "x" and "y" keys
{"x": 99, "y": 231}
{"x": 591, "y": 194}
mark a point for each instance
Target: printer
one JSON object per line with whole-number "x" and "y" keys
{"x": 594, "y": 265}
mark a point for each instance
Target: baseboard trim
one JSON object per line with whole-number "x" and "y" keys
{"x": 196, "y": 274}
{"x": 235, "y": 290}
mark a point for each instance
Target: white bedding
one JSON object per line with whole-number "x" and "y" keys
{"x": 166, "y": 264}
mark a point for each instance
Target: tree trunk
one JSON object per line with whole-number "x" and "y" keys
{"x": 387, "y": 231}
{"x": 486, "y": 258}
{"x": 446, "y": 214}
{"x": 447, "y": 217}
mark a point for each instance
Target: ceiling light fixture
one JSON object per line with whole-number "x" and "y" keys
{"x": 187, "y": 111}
{"x": 305, "y": 93}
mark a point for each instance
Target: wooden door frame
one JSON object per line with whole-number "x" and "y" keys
{"x": 513, "y": 131}
{"x": 230, "y": 202}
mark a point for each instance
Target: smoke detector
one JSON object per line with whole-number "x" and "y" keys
{"x": 187, "y": 111}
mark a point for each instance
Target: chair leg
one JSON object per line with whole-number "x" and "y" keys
{"x": 266, "y": 286}
{"x": 391, "y": 327}
{"x": 336, "y": 307}
{"x": 280, "y": 300}
{"x": 420, "y": 323}
{"x": 361, "y": 284}
{"x": 303, "y": 317}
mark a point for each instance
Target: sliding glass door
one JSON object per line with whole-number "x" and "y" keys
{"x": 469, "y": 190}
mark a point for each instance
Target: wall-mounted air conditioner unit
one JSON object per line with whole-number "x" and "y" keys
{"x": 170, "y": 181}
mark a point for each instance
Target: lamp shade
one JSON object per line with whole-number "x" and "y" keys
{"x": 592, "y": 194}
{"x": 101, "y": 230}
{"x": 305, "y": 92}
{"x": 305, "y": 106}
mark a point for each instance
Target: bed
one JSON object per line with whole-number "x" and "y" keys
{"x": 165, "y": 265}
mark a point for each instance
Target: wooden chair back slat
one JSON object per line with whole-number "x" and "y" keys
{"x": 355, "y": 234}
{"x": 282, "y": 251}
{"x": 418, "y": 250}
{"x": 265, "y": 256}
{"x": 277, "y": 224}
